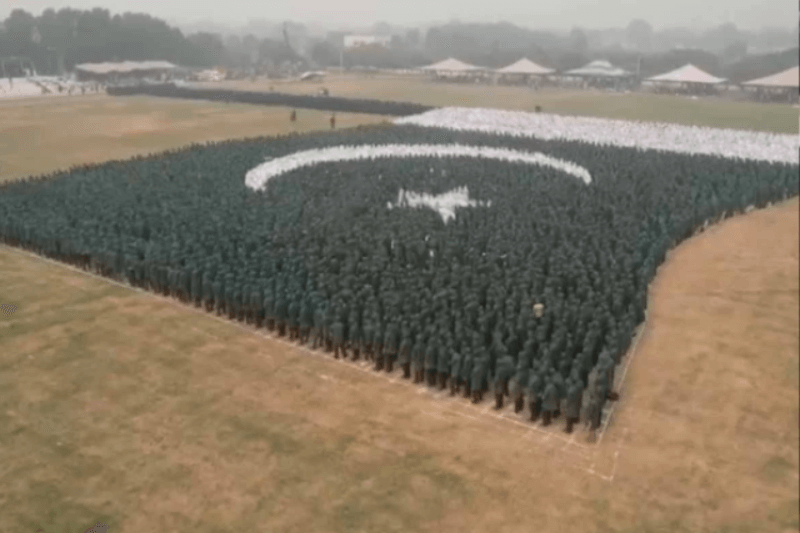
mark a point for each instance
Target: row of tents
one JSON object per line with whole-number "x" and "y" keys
{"x": 687, "y": 74}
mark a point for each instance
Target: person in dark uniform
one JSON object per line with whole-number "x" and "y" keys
{"x": 306, "y": 320}
{"x": 404, "y": 352}
{"x": 466, "y": 371}
{"x": 480, "y": 370}
{"x": 293, "y": 116}
{"x": 418, "y": 358}
{"x": 367, "y": 337}
{"x": 505, "y": 370}
{"x": 330, "y": 318}
{"x": 337, "y": 338}
{"x": 574, "y": 402}
{"x": 390, "y": 345}
{"x": 354, "y": 335}
{"x": 561, "y": 392}
{"x": 333, "y": 120}
{"x": 549, "y": 402}
{"x": 431, "y": 352}
{"x": 377, "y": 346}
{"x": 319, "y": 327}
{"x": 455, "y": 372}
{"x": 594, "y": 411}
{"x": 535, "y": 388}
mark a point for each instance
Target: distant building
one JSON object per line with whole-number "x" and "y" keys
{"x": 354, "y": 41}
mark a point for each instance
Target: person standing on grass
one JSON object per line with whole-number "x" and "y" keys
{"x": 293, "y": 116}
{"x": 519, "y": 382}
{"x": 418, "y": 358}
{"x": 535, "y": 388}
{"x": 594, "y": 412}
{"x": 390, "y": 345}
{"x": 366, "y": 338}
{"x": 337, "y": 335}
{"x": 465, "y": 374}
{"x": 404, "y": 351}
{"x": 306, "y": 319}
{"x": 455, "y": 370}
{"x": 330, "y": 318}
{"x": 561, "y": 391}
{"x": 431, "y": 351}
{"x": 505, "y": 370}
{"x": 574, "y": 402}
{"x": 354, "y": 335}
{"x": 292, "y": 316}
{"x": 319, "y": 326}
{"x": 333, "y": 120}
{"x": 605, "y": 372}
{"x": 377, "y": 344}
{"x": 549, "y": 402}
{"x": 480, "y": 372}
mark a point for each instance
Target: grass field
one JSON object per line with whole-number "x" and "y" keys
{"x": 46, "y": 134}
{"x": 127, "y": 408}
{"x": 122, "y": 407}
{"x": 714, "y": 112}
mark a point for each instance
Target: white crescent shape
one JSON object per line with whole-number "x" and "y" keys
{"x": 258, "y": 177}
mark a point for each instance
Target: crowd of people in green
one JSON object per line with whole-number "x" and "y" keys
{"x": 318, "y": 257}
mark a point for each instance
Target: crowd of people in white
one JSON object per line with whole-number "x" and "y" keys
{"x": 45, "y": 86}
{"x": 735, "y": 144}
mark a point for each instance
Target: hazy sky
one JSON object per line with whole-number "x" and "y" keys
{"x": 553, "y": 14}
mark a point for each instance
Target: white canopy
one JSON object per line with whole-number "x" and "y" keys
{"x": 787, "y": 78}
{"x": 687, "y": 74}
{"x": 598, "y": 68}
{"x": 524, "y": 66}
{"x": 451, "y": 65}
{"x": 125, "y": 66}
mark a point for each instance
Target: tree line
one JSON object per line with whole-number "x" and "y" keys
{"x": 57, "y": 40}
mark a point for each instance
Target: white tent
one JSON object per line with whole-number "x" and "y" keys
{"x": 786, "y": 79}
{"x": 451, "y": 65}
{"x": 124, "y": 67}
{"x": 687, "y": 74}
{"x": 525, "y": 66}
{"x": 599, "y": 68}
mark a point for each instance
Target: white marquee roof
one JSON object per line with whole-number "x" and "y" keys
{"x": 787, "y": 78}
{"x": 525, "y": 66}
{"x": 687, "y": 74}
{"x": 598, "y": 68}
{"x": 452, "y": 65}
{"x": 124, "y": 66}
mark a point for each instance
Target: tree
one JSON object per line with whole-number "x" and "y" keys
{"x": 577, "y": 41}
{"x": 735, "y": 51}
{"x": 412, "y": 38}
{"x": 639, "y": 33}
{"x": 205, "y": 49}
{"x": 19, "y": 29}
{"x": 397, "y": 42}
{"x": 325, "y": 54}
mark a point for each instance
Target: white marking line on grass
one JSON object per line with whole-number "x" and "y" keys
{"x": 434, "y": 415}
{"x": 628, "y": 359}
{"x": 264, "y": 334}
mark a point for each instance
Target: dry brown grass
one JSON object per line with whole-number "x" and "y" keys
{"x": 42, "y": 135}
{"x": 127, "y": 408}
{"x": 714, "y": 112}
{"x": 121, "y": 407}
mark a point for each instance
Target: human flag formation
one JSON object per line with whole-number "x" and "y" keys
{"x": 423, "y": 245}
